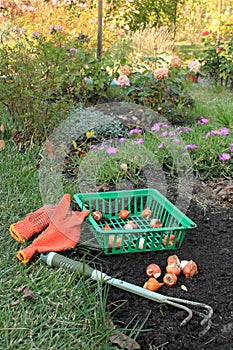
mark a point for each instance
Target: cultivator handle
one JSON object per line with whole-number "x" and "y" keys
{"x": 57, "y": 260}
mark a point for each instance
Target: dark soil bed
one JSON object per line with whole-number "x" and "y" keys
{"x": 210, "y": 246}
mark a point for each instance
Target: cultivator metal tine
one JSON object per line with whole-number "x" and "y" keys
{"x": 176, "y": 302}
{"x": 185, "y": 308}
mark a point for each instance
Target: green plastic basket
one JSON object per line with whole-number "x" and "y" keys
{"x": 144, "y": 238}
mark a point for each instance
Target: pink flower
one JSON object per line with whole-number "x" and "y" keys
{"x": 134, "y": 131}
{"x": 123, "y": 80}
{"x": 175, "y": 61}
{"x": 35, "y": 35}
{"x": 231, "y": 149}
{"x": 224, "y": 156}
{"x": 171, "y": 133}
{"x": 215, "y": 132}
{"x": 122, "y": 139}
{"x": 155, "y": 127}
{"x": 161, "y": 145}
{"x": 158, "y": 126}
{"x": 203, "y": 120}
{"x": 82, "y": 6}
{"x": 161, "y": 73}
{"x": 175, "y": 140}
{"x": 186, "y": 128}
{"x": 139, "y": 141}
{"x": 191, "y": 147}
{"x": 194, "y": 66}
{"x": 224, "y": 131}
{"x": 91, "y": 147}
{"x": 164, "y": 134}
{"x": 54, "y": 29}
{"x": 111, "y": 150}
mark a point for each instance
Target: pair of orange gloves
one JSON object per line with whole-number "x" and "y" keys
{"x": 63, "y": 229}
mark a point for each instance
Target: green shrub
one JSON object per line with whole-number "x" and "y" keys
{"x": 43, "y": 77}
{"x": 167, "y": 95}
{"x": 217, "y": 60}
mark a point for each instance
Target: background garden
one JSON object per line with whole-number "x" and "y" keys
{"x": 171, "y": 57}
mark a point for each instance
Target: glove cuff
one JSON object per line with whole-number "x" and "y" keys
{"x": 22, "y": 230}
{"x": 26, "y": 254}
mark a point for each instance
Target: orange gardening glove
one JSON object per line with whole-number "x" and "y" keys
{"x": 33, "y": 223}
{"x": 63, "y": 231}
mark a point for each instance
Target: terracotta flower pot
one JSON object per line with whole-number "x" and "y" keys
{"x": 192, "y": 78}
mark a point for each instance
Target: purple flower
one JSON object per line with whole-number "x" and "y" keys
{"x": 224, "y": 156}
{"x": 224, "y": 131}
{"x": 231, "y": 149}
{"x": 215, "y": 132}
{"x": 180, "y": 130}
{"x": 100, "y": 148}
{"x": 156, "y": 127}
{"x": 171, "y": 133}
{"x": 139, "y": 141}
{"x": 53, "y": 29}
{"x": 186, "y": 128}
{"x": 175, "y": 140}
{"x": 164, "y": 134}
{"x": 58, "y": 28}
{"x": 191, "y": 147}
{"x": 121, "y": 140}
{"x": 161, "y": 145}
{"x": 35, "y": 34}
{"x": 15, "y": 30}
{"x": 91, "y": 147}
{"x": 203, "y": 120}
{"x": 73, "y": 49}
{"x": 134, "y": 131}
{"x": 111, "y": 150}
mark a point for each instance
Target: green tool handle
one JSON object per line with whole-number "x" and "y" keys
{"x": 57, "y": 260}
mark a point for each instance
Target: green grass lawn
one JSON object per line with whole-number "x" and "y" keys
{"x": 64, "y": 311}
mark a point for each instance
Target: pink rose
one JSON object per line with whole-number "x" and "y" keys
{"x": 194, "y": 66}
{"x": 123, "y": 80}
{"x": 175, "y": 61}
{"x": 161, "y": 73}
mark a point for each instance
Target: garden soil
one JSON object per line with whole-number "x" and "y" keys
{"x": 210, "y": 246}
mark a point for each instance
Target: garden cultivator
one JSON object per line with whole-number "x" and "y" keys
{"x": 57, "y": 260}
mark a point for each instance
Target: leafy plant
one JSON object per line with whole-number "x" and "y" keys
{"x": 166, "y": 95}
{"x": 217, "y": 60}
{"x": 42, "y": 78}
